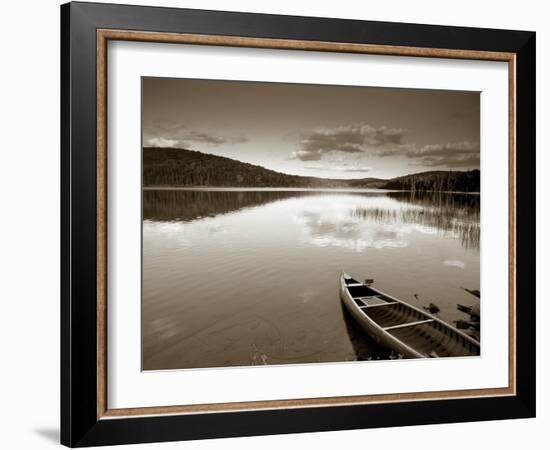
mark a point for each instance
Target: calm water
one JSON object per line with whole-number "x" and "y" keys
{"x": 234, "y": 278}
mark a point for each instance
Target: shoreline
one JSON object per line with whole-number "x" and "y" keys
{"x": 290, "y": 189}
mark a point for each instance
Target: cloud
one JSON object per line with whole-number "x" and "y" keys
{"x": 362, "y": 138}
{"x": 458, "y": 161}
{"x": 465, "y": 147}
{"x": 162, "y": 142}
{"x": 306, "y": 155}
{"x": 358, "y": 169}
{"x": 451, "y": 155}
{"x": 179, "y": 136}
{"x": 354, "y": 138}
{"x": 195, "y": 136}
{"x": 345, "y": 168}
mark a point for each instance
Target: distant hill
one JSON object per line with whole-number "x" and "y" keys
{"x": 437, "y": 181}
{"x": 186, "y": 168}
{"x": 179, "y": 167}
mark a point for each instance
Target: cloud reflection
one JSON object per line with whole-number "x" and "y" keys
{"x": 454, "y": 263}
{"x": 334, "y": 224}
{"x": 357, "y": 223}
{"x": 347, "y": 220}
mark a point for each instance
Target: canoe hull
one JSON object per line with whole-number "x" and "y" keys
{"x": 372, "y": 329}
{"x": 403, "y": 328}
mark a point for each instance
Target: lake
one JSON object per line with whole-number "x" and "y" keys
{"x": 250, "y": 277}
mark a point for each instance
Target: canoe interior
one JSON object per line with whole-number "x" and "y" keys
{"x": 433, "y": 339}
{"x": 393, "y": 314}
{"x": 416, "y": 329}
{"x": 350, "y": 280}
{"x": 361, "y": 291}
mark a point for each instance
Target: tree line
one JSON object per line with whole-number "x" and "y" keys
{"x": 440, "y": 181}
{"x": 187, "y": 168}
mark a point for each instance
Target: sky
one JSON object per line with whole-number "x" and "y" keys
{"x": 315, "y": 130}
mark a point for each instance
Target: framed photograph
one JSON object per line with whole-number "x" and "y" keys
{"x": 276, "y": 224}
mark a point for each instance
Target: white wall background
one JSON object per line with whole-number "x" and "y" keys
{"x": 29, "y": 223}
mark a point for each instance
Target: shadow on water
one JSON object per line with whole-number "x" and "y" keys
{"x": 186, "y": 205}
{"x": 364, "y": 347}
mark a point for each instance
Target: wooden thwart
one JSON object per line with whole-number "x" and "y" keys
{"x": 379, "y": 304}
{"x": 409, "y": 324}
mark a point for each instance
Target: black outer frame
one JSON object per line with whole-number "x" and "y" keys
{"x": 79, "y": 423}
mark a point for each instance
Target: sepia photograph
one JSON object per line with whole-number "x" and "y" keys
{"x": 305, "y": 223}
{"x": 287, "y": 222}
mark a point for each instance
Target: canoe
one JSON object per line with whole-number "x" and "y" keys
{"x": 403, "y": 328}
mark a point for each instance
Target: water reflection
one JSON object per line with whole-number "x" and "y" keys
{"x": 452, "y": 215}
{"x": 340, "y": 221}
{"x": 251, "y": 277}
{"x": 325, "y": 228}
{"x": 189, "y": 205}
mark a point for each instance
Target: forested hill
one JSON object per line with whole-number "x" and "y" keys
{"x": 179, "y": 167}
{"x": 437, "y": 181}
{"x": 186, "y": 168}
